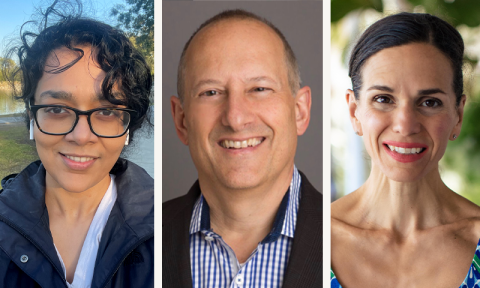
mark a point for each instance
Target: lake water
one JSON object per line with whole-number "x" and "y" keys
{"x": 8, "y": 105}
{"x": 143, "y": 150}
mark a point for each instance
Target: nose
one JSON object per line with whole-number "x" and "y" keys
{"x": 238, "y": 113}
{"x": 406, "y": 121}
{"x": 81, "y": 134}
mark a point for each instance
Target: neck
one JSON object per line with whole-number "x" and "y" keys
{"x": 74, "y": 206}
{"x": 243, "y": 217}
{"x": 403, "y": 207}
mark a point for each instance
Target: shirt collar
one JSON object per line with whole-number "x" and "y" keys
{"x": 285, "y": 220}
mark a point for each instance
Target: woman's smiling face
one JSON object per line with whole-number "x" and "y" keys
{"x": 406, "y": 110}
{"x": 79, "y": 160}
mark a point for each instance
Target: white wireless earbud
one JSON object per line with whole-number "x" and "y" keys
{"x": 128, "y": 138}
{"x": 31, "y": 129}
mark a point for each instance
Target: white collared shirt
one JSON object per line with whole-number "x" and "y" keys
{"x": 86, "y": 262}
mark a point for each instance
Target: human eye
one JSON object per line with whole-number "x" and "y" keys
{"x": 209, "y": 93}
{"x": 431, "y": 103}
{"x": 106, "y": 112}
{"x": 109, "y": 113}
{"x": 261, "y": 89}
{"x": 383, "y": 99}
{"x": 56, "y": 110}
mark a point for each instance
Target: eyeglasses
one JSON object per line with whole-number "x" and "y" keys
{"x": 61, "y": 120}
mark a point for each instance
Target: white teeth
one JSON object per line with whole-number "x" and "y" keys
{"x": 252, "y": 142}
{"x": 79, "y": 159}
{"x": 403, "y": 150}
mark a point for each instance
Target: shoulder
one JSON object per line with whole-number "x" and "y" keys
{"x": 134, "y": 186}
{"x": 30, "y": 170}
{"x": 466, "y": 219}
{"x": 309, "y": 190}
{"x": 344, "y": 207}
{"x": 180, "y": 206}
{"x": 127, "y": 172}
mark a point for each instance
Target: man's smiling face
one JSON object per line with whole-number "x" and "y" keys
{"x": 238, "y": 117}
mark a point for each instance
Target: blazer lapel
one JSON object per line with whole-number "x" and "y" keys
{"x": 175, "y": 240}
{"x": 305, "y": 264}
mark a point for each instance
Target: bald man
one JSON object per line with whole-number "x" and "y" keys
{"x": 252, "y": 219}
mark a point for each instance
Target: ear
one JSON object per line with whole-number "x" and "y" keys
{"x": 352, "y": 109}
{"x": 179, "y": 119}
{"x": 458, "y": 126}
{"x": 303, "y": 103}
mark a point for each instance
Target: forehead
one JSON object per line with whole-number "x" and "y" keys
{"x": 83, "y": 78}
{"x": 416, "y": 66}
{"x": 235, "y": 47}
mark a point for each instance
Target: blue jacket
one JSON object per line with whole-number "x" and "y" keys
{"x": 125, "y": 255}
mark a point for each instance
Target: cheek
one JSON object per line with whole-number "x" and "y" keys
{"x": 278, "y": 114}
{"x": 373, "y": 124}
{"x": 200, "y": 122}
{"x": 46, "y": 145}
{"x": 441, "y": 129}
{"x": 113, "y": 147}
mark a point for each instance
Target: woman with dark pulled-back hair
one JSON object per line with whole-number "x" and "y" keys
{"x": 80, "y": 217}
{"x": 404, "y": 227}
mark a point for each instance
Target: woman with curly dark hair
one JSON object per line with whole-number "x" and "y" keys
{"x": 80, "y": 216}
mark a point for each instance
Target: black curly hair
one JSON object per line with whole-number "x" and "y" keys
{"x": 62, "y": 25}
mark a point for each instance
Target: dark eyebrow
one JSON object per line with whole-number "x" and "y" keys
{"x": 426, "y": 92}
{"x": 57, "y": 95}
{"x": 98, "y": 97}
{"x": 381, "y": 88}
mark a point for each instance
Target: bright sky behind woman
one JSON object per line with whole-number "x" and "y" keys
{"x": 13, "y": 13}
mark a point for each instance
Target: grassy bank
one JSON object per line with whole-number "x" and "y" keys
{"x": 16, "y": 150}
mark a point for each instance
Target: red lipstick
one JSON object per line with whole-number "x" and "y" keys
{"x": 405, "y": 158}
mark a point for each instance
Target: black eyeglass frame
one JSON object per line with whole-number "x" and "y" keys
{"x": 35, "y": 108}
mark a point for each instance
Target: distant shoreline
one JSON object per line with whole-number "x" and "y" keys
{"x": 12, "y": 115}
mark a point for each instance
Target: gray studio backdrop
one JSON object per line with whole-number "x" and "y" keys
{"x": 300, "y": 22}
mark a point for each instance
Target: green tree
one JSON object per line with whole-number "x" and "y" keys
{"x": 137, "y": 19}
{"x": 7, "y": 67}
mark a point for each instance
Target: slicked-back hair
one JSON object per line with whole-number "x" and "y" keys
{"x": 124, "y": 66}
{"x": 239, "y": 14}
{"x": 405, "y": 28}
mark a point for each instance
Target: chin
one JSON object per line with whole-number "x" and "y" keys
{"x": 76, "y": 186}
{"x": 240, "y": 181}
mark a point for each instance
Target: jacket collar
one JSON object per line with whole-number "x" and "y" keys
{"x": 304, "y": 268}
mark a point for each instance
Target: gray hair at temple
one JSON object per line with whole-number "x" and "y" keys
{"x": 239, "y": 14}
